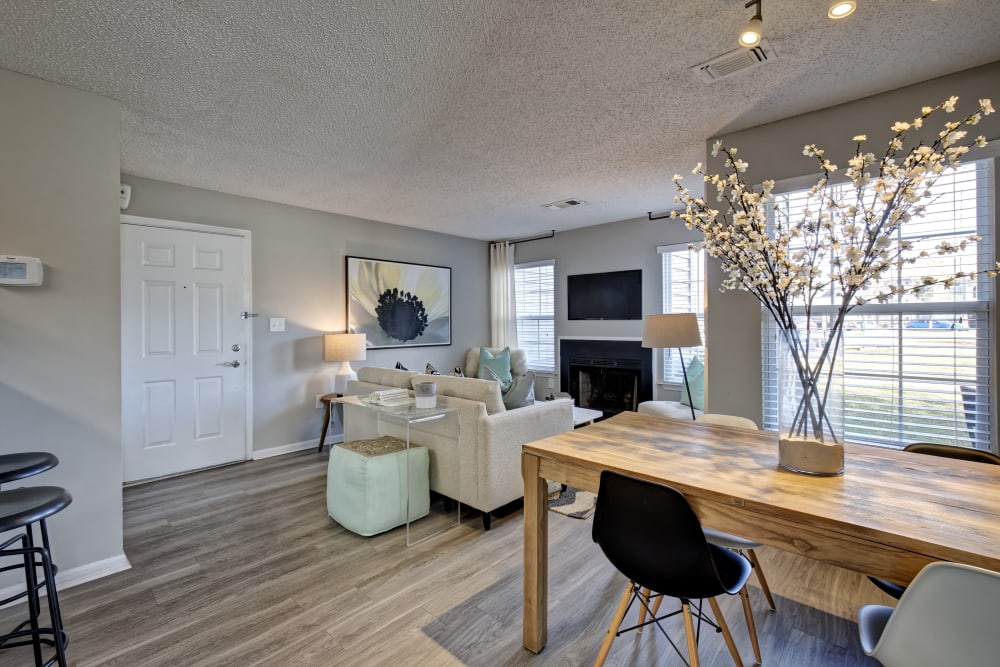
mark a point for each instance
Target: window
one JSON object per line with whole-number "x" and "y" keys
{"x": 534, "y": 295}
{"x": 917, "y": 369}
{"x": 683, "y": 292}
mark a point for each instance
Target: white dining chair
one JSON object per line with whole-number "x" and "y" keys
{"x": 947, "y": 616}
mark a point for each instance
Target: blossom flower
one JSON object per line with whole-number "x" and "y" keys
{"x": 845, "y": 242}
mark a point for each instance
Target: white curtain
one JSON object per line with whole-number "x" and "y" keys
{"x": 503, "y": 318}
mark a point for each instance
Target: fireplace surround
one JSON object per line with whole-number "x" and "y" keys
{"x": 608, "y": 375}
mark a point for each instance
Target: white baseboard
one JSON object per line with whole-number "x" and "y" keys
{"x": 78, "y": 575}
{"x": 295, "y": 447}
{"x": 91, "y": 571}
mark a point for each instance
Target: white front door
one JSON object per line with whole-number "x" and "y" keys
{"x": 184, "y": 350}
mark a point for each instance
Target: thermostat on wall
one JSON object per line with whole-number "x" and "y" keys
{"x": 15, "y": 270}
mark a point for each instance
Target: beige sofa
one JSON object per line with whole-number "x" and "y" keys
{"x": 483, "y": 469}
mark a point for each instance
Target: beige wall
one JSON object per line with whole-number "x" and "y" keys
{"x": 774, "y": 151}
{"x": 299, "y": 274}
{"x": 59, "y": 343}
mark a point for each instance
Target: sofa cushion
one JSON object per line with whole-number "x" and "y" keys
{"x": 518, "y": 361}
{"x": 495, "y": 366}
{"x": 473, "y": 389}
{"x": 386, "y": 376}
{"x": 521, "y": 391}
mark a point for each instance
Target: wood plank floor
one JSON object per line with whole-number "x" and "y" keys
{"x": 242, "y": 566}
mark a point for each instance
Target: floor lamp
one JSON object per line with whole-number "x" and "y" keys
{"x": 345, "y": 347}
{"x": 673, "y": 330}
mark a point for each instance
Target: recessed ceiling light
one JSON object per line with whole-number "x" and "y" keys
{"x": 841, "y": 8}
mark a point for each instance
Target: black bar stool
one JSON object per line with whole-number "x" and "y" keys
{"x": 25, "y": 464}
{"x": 19, "y": 509}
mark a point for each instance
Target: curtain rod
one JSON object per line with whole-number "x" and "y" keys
{"x": 551, "y": 233}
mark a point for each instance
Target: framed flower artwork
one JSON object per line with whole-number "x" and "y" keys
{"x": 396, "y": 304}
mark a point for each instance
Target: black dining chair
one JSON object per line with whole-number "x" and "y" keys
{"x": 947, "y": 451}
{"x": 652, "y": 536}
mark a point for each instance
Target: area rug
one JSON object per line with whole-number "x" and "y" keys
{"x": 573, "y": 502}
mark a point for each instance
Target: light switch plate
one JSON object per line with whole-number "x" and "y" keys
{"x": 277, "y": 323}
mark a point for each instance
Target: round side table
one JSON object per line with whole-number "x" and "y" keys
{"x": 326, "y": 400}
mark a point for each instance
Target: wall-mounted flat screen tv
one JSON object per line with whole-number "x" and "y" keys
{"x": 615, "y": 295}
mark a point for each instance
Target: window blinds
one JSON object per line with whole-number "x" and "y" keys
{"x": 534, "y": 290}
{"x": 683, "y": 292}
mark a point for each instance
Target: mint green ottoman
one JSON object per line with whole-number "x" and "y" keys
{"x": 366, "y": 484}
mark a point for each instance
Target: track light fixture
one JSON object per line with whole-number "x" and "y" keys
{"x": 750, "y": 37}
{"x": 841, "y": 8}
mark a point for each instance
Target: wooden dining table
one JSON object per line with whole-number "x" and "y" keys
{"x": 890, "y": 513}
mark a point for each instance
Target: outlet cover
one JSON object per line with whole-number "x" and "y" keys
{"x": 277, "y": 323}
{"x": 318, "y": 404}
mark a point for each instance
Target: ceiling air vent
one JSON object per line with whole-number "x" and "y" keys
{"x": 735, "y": 61}
{"x": 565, "y": 203}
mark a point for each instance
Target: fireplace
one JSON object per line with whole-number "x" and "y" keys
{"x": 608, "y": 375}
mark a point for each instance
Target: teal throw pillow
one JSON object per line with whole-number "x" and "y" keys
{"x": 499, "y": 365}
{"x": 696, "y": 380}
{"x": 521, "y": 392}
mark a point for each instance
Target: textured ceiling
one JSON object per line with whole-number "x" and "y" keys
{"x": 464, "y": 116}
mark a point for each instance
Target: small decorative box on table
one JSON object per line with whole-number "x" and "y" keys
{"x": 367, "y": 483}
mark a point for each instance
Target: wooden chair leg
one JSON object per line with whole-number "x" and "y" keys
{"x": 616, "y": 622}
{"x": 760, "y": 577}
{"x": 751, "y": 626}
{"x": 656, "y": 606}
{"x": 644, "y": 597}
{"x": 725, "y": 632}
{"x": 692, "y": 641}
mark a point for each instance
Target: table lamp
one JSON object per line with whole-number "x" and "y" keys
{"x": 345, "y": 348}
{"x": 673, "y": 330}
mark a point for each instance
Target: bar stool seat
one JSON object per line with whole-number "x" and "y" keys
{"x": 25, "y": 464}
{"x": 29, "y": 504}
{"x": 19, "y": 510}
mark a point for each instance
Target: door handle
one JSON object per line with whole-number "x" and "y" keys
{"x": 234, "y": 364}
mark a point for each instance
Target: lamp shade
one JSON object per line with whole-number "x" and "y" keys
{"x": 671, "y": 330}
{"x": 344, "y": 347}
